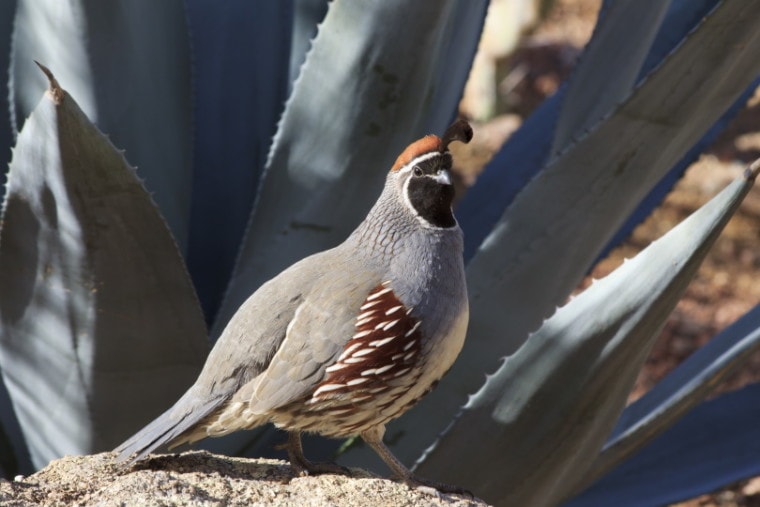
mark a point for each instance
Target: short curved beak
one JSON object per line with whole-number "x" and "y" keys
{"x": 443, "y": 177}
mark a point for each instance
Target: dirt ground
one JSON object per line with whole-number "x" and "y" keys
{"x": 725, "y": 287}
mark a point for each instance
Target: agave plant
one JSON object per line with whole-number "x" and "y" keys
{"x": 100, "y": 323}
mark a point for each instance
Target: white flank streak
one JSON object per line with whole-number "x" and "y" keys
{"x": 408, "y": 345}
{"x": 402, "y": 372}
{"x": 363, "y": 321}
{"x": 394, "y": 309}
{"x": 409, "y": 355}
{"x": 385, "y": 283}
{"x": 363, "y": 352}
{"x": 375, "y": 390}
{"x": 354, "y": 360}
{"x": 378, "y": 294}
{"x": 361, "y": 398}
{"x": 293, "y": 320}
{"x": 380, "y": 343}
{"x": 348, "y": 351}
{"x": 390, "y": 324}
{"x": 414, "y": 328}
{"x": 396, "y": 357}
{"x": 290, "y": 324}
{"x": 336, "y": 367}
{"x": 371, "y": 371}
{"x": 383, "y": 369}
{"x": 327, "y": 388}
{"x": 367, "y": 313}
{"x": 362, "y": 334}
{"x": 357, "y": 381}
{"x": 368, "y": 305}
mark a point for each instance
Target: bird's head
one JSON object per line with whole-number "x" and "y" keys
{"x": 422, "y": 174}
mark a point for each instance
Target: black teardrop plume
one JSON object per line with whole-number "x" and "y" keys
{"x": 460, "y": 130}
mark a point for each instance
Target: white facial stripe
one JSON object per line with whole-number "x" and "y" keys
{"x": 421, "y": 158}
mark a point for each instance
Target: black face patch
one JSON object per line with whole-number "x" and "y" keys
{"x": 431, "y": 199}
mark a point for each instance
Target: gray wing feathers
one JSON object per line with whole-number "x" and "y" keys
{"x": 167, "y": 427}
{"x": 322, "y": 325}
{"x": 242, "y": 352}
{"x": 274, "y": 349}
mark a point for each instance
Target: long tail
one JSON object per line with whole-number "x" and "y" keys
{"x": 169, "y": 428}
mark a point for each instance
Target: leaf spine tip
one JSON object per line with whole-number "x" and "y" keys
{"x": 470, "y": 402}
{"x": 752, "y": 171}
{"x": 54, "y": 89}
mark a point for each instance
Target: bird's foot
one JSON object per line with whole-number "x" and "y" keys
{"x": 434, "y": 487}
{"x": 305, "y": 467}
{"x": 374, "y": 438}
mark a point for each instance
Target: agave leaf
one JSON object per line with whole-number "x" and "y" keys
{"x": 7, "y": 12}
{"x": 548, "y": 238}
{"x": 378, "y": 75}
{"x": 631, "y": 150}
{"x": 241, "y": 53}
{"x": 502, "y": 179}
{"x": 306, "y": 18}
{"x": 715, "y": 444}
{"x": 618, "y": 46}
{"x": 677, "y": 393}
{"x": 549, "y": 408}
{"x": 8, "y": 464}
{"x": 665, "y": 185}
{"x": 484, "y": 203}
{"x": 98, "y": 314}
{"x": 13, "y": 453}
{"x": 682, "y": 16}
{"x": 128, "y": 64}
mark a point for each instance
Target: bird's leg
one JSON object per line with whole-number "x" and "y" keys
{"x": 303, "y": 466}
{"x": 374, "y": 438}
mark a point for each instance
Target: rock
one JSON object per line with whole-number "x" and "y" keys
{"x": 201, "y": 478}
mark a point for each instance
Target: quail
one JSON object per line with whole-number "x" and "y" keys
{"x": 345, "y": 340}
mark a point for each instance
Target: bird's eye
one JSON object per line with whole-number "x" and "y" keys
{"x": 417, "y": 171}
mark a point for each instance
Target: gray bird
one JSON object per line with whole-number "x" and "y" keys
{"x": 345, "y": 340}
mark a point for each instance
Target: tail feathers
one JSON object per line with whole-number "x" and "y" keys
{"x": 168, "y": 428}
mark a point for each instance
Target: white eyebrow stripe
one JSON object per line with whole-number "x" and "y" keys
{"x": 421, "y": 158}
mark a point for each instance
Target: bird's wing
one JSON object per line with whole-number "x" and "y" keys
{"x": 258, "y": 329}
{"x": 323, "y": 322}
{"x": 243, "y": 351}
